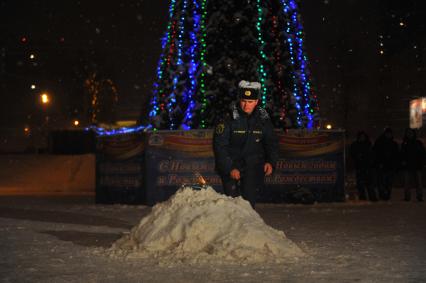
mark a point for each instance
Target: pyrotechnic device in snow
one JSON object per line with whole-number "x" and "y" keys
{"x": 200, "y": 182}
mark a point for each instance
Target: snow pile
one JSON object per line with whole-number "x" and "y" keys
{"x": 204, "y": 226}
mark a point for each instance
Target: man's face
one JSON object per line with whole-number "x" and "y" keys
{"x": 248, "y": 105}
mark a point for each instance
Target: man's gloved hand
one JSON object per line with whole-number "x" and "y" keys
{"x": 235, "y": 174}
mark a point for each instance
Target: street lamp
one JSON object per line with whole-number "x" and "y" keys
{"x": 44, "y": 98}
{"x": 45, "y": 101}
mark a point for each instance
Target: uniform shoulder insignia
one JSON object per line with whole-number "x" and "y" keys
{"x": 220, "y": 128}
{"x": 263, "y": 114}
{"x": 235, "y": 114}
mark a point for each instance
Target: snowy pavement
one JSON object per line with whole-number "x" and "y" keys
{"x": 60, "y": 239}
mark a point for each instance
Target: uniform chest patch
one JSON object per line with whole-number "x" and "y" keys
{"x": 220, "y": 128}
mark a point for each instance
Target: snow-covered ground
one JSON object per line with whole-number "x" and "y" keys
{"x": 44, "y": 174}
{"x": 60, "y": 239}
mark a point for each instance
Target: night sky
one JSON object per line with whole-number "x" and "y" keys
{"x": 367, "y": 60}
{"x": 120, "y": 40}
{"x": 367, "y": 57}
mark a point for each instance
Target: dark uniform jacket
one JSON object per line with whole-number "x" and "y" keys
{"x": 242, "y": 139}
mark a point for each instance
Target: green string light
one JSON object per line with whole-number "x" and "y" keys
{"x": 203, "y": 63}
{"x": 261, "y": 68}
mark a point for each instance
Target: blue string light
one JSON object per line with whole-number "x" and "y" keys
{"x": 295, "y": 92}
{"x": 193, "y": 67}
{"x": 165, "y": 42}
{"x": 302, "y": 93}
{"x": 118, "y": 131}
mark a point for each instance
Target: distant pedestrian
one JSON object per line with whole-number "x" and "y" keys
{"x": 386, "y": 159}
{"x": 412, "y": 161}
{"x": 362, "y": 155}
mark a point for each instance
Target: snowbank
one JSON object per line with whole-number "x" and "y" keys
{"x": 204, "y": 226}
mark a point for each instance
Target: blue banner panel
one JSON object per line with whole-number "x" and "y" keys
{"x": 173, "y": 159}
{"x": 119, "y": 169}
{"x": 149, "y": 167}
{"x": 310, "y": 167}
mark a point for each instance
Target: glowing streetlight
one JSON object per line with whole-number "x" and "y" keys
{"x": 44, "y": 97}
{"x": 328, "y": 126}
{"x": 32, "y": 56}
{"x": 33, "y": 86}
{"x": 76, "y": 123}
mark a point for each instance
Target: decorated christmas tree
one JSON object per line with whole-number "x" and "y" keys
{"x": 210, "y": 46}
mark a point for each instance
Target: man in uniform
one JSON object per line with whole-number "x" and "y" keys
{"x": 245, "y": 145}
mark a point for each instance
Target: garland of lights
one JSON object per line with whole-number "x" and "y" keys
{"x": 261, "y": 69}
{"x": 277, "y": 57}
{"x": 291, "y": 51}
{"x": 203, "y": 62}
{"x": 119, "y": 131}
{"x": 169, "y": 56}
{"x": 172, "y": 96}
{"x": 302, "y": 65}
{"x": 297, "y": 58}
{"x": 161, "y": 63}
{"x": 193, "y": 66}
{"x": 195, "y": 52}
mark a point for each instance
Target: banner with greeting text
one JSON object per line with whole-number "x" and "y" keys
{"x": 310, "y": 161}
{"x": 174, "y": 158}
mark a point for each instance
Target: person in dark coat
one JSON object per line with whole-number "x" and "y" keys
{"x": 386, "y": 159}
{"x": 245, "y": 145}
{"x": 412, "y": 161}
{"x": 362, "y": 155}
